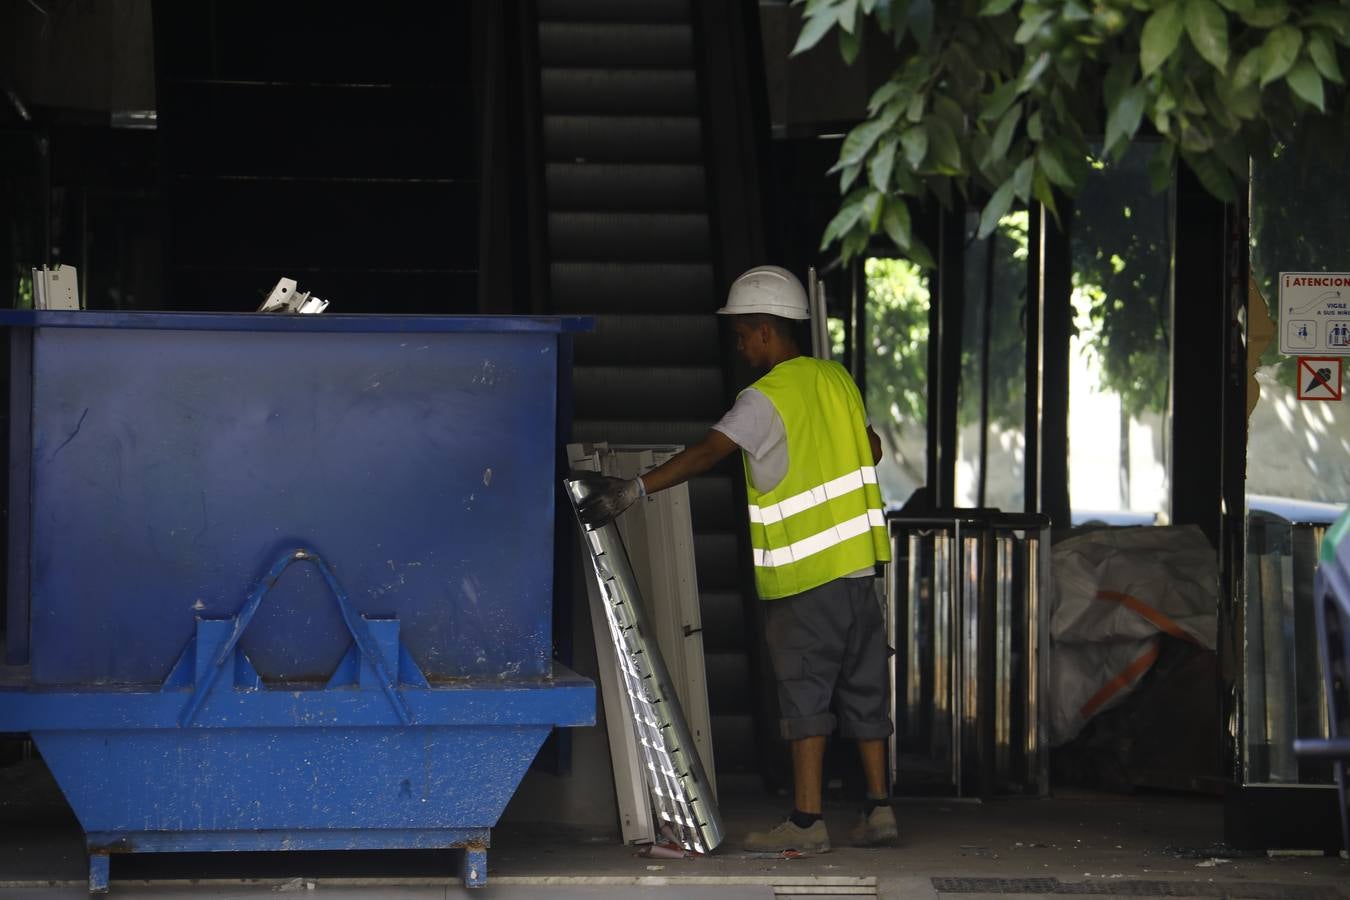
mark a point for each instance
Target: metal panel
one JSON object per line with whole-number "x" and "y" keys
{"x": 681, "y": 794}
{"x": 972, "y": 621}
{"x": 660, "y": 539}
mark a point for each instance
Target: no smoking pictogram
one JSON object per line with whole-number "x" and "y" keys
{"x": 1319, "y": 378}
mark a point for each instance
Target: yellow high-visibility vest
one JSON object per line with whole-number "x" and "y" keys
{"x": 825, "y": 519}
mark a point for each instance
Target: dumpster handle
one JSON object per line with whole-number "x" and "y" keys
{"x": 355, "y": 624}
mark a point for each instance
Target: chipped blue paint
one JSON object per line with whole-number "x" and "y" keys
{"x": 275, "y": 600}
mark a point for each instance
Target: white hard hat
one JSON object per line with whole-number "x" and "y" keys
{"x": 770, "y": 290}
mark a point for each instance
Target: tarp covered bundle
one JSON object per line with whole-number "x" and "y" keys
{"x": 1114, "y": 592}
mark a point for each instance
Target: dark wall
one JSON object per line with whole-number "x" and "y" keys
{"x": 338, "y": 149}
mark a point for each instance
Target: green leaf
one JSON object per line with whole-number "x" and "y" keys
{"x": 814, "y": 28}
{"x": 1021, "y": 179}
{"x": 1117, "y": 81}
{"x": 1242, "y": 101}
{"x": 1323, "y": 54}
{"x": 871, "y": 210}
{"x": 1266, "y": 14}
{"x": 1003, "y": 135}
{"x": 1247, "y": 71}
{"x": 1122, "y": 122}
{"x": 882, "y": 94}
{"x": 920, "y": 21}
{"x": 914, "y": 112}
{"x": 1213, "y": 176}
{"x": 854, "y": 244}
{"x": 1160, "y": 166}
{"x": 1307, "y": 84}
{"x": 1238, "y": 6}
{"x": 919, "y": 255}
{"x": 914, "y": 140}
{"x": 844, "y": 220}
{"x": 1161, "y": 33}
{"x": 850, "y": 175}
{"x": 1053, "y": 167}
{"x": 1278, "y": 52}
{"x": 848, "y": 16}
{"x": 1041, "y": 190}
{"x": 861, "y": 139}
{"x": 1207, "y": 27}
{"x": 1028, "y": 29}
{"x": 943, "y": 150}
{"x": 895, "y": 222}
{"x": 848, "y": 46}
{"x": 882, "y": 161}
{"x": 996, "y": 7}
{"x": 996, "y": 209}
{"x": 1034, "y": 71}
{"x": 998, "y": 101}
{"x": 1034, "y": 129}
{"x": 1337, "y": 18}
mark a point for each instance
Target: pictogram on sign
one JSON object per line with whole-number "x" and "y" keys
{"x": 1319, "y": 377}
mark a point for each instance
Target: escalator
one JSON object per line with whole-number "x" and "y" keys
{"x": 632, "y": 240}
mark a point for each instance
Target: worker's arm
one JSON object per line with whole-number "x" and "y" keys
{"x": 691, "y": 461}
{"x": 608, "y": 496}
{"x": 875, "y": 441}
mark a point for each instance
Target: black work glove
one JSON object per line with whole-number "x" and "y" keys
{"x": 606, "y": 498}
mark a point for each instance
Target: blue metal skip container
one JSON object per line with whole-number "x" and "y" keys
{"x": 282, "y": 582}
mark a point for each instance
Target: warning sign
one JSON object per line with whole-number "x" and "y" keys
{"x": 1315, "y": 313}
{"x": 1319, "y": 377}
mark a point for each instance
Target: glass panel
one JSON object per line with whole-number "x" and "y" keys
{"x": 897, "y": 372}
{"x": 991, "y": 418}
{"x": 1296, "y": 477}
{"x": 1119, "y": 357}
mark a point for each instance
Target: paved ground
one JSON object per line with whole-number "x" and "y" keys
{"x": 1070, "y": 844}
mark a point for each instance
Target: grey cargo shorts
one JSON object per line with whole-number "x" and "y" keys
{"x": 830, "y": 643}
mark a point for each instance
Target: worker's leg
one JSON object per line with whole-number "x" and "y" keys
{"x": 873, "y": 754}
{"x": 805, "y": 638}
{"x": 808, "y": 757}
{"x": 864, "y": 710}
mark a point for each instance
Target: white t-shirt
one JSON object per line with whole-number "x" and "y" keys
{"x": 754, "y": 424}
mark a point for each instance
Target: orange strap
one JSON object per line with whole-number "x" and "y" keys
{"x": 1134, "y": 604}
{"x": 1126, "y": 677}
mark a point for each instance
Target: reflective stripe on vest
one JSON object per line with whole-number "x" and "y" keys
{"x": 844, "y": 484}
{"x": 821, "y": 540}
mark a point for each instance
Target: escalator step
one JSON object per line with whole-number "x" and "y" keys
{"x": 614, "y": 10}
{"x": 646, "y": 91}
{"x": 723, "y": 616}
{"x": 712, "y": 499}
{"x": 628, "y": 237}
{"x": 599, "y": 287}
{"x": 615, "y": 392}
{"x": 605, "y": 186}
{"x": 728, "y": 674}
{"x": 716, "y": 554}
{"x": 653, "y": 340}
{"x": 661, "y": 45}
{"x": 640, "y": 431}
{"x": 737, "y": 743}
{"x": 624, "y": 139}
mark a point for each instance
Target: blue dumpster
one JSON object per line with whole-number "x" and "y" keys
{"x": 284, "y": 582}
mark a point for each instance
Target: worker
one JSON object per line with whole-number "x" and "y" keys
{"x": 817, "y": 533}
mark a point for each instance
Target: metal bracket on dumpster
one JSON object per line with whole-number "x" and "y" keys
{"x": 216, "y": 647}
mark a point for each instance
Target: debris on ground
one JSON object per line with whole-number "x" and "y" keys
{"x": 667, "y": 850}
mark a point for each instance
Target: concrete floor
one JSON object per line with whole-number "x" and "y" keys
{"x": 1146, "y": 845}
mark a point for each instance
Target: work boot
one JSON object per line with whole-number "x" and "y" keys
{"x": 875, "y": 828}
{"x": 788, "y": 836}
